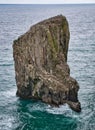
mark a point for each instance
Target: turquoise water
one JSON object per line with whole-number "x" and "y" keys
{"x": 17, "y": 114}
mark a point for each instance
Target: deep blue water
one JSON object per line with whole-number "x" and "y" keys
{"x": 17, "y": 114}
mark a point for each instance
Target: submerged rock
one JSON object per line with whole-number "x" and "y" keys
{"x": 41, "y": 68}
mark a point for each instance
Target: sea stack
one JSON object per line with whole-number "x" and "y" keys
{"x": 41, "y": 69}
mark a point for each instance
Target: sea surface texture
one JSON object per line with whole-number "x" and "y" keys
{"x": 19, "y": 114}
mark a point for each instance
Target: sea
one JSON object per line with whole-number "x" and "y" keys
{"x": 20, "y": 114}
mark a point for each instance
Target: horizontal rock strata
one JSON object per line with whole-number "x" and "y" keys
{"x": 41, "y": 68}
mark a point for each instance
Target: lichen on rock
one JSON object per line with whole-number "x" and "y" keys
{"x": 41, "y": 68}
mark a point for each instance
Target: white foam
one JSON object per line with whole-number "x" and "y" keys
{"x": 62, "y": 109}
{"x": 9, "y": 93}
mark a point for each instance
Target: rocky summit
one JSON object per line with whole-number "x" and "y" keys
{"x": 42, "y": 72}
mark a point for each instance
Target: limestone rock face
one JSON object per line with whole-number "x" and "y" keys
{"x": 41, "y": 68}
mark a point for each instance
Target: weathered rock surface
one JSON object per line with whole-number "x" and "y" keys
{"x": 41, "y": 68}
